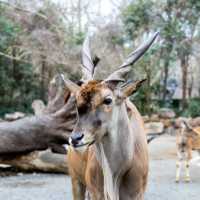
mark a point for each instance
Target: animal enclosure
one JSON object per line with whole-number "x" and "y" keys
{"x": 99, "y": 99}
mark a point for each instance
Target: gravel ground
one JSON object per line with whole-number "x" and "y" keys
{"x": 161, "y": 184}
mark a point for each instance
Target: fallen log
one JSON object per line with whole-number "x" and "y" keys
{"x": 37, "y": 161}
{"x": 25, "y": 143}
{"x": 49, "y": 129}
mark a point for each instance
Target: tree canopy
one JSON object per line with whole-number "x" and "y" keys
{"x": 39, "y": 40}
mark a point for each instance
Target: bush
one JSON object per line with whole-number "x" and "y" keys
{"x": 144, "y": 103}
{"x": 18, "y": 85}
{"x": 193, "y": 109}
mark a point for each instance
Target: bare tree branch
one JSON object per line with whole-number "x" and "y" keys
{"x": 14, "y": 58}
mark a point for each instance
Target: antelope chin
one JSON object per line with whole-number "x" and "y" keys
{"x": 82, "y": 146}
{"x": 85, "y": 142}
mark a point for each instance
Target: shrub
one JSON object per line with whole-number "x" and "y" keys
{"x": 193, "y": 109}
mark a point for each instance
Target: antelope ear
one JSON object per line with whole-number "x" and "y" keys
{"x": 71, "y": 86}
{"x": 131, "y": 87}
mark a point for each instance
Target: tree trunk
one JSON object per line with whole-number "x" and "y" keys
{"x": 48, "y": 130}
{"x": 32, "y": 133}
{"x": 184, "y": 67}
{"x": 148, "y": 90}
{"x": 43, "y": 161}
{"x": 42, "y": 85}
{"x": 166, "y": 74}
{"x": 166, "y": 54}
{"x": 190, "y": 87}
{"x": 16, "y": 74}
{"x": 79, "y": 16}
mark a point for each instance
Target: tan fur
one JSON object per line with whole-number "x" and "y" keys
{"x": 129, "y": 180}
{"x": 85, "y": 96}
{"x": 186, "y": 141}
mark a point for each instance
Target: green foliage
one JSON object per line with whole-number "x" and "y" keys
{"x": 17, "y": 92}
{"x": 176, "y": 21}
{"x": 8, "y": 32}
{"x": 18, "y": 86}
{"x": 178, "y": 24}
{"x": 140, "y": 100}
{"x": 144, "y": 104}
{"x": 136, "y": 16}
{"x": 193, "y": 109}
{"x": 115, "y": 39}
{"x": 79, "y": 38}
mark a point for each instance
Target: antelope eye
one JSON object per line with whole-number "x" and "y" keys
{"x": 107, "y": 101}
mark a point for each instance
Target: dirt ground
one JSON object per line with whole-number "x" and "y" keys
{"x": 161, "y": 184}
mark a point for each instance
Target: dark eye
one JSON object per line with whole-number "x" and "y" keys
{"x": 107, "y": 101}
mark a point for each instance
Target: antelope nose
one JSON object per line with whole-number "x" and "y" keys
{"x": 75, "y": 138}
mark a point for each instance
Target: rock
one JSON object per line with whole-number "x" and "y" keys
{"x": 154, "y": 118}
{"x": 166, "y": 113}
{"x": 146, "y": 118}
{"x": 14, "y": 116}
{"x": 154, "y": 127}
{"x": 167, "y": 122}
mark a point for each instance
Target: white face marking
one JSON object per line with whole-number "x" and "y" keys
{"x": 82, "y": 149}
{"x": 66, "y": 146}
{"x": 70, "y": 141}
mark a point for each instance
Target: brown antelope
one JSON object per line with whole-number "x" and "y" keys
{"x": 188, "y": 139}
{"x": 115, "y": 167}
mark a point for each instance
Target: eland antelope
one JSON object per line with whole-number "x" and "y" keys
{"x": 187, "y": 139}
{"x": 108, "y": 155}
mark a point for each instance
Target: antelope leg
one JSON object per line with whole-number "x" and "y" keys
{"x": 187, "y": 171}
{"x": 178, "y": 170}
{"x": 78, "y": 190}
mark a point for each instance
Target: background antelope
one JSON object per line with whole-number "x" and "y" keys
{"x": 116, "y": 166}
{"x": 188, "y": 139}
